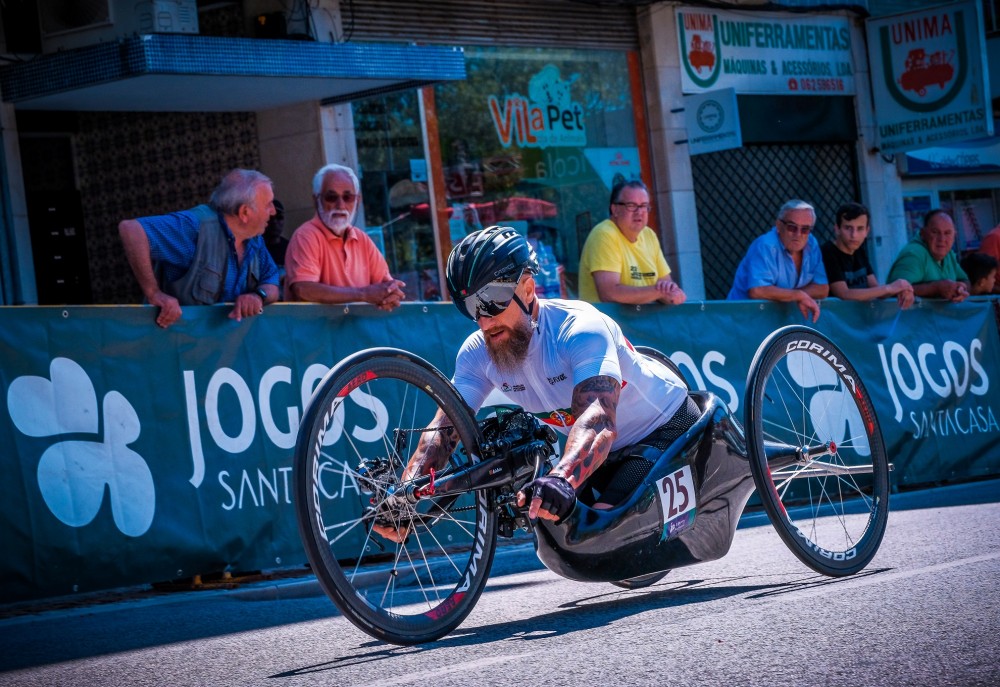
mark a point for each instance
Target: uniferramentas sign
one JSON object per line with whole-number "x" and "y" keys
{"x": 764, "y": 53}
{"x": 929, "y": 77}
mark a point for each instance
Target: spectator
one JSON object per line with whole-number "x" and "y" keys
{"x": 928, "y": 262}
{"x": 331, "y": 261}
{"x": 982, "y": 271}
{"x": 845, "y": 258}
{"x": 274, "y": 237}
{"x": 276, "y": 243}
{"x": 622, "y": 261}
{"x": 991, "y": 243}
{"x": 785, "y": 264}
{"x": 209, "y": 254}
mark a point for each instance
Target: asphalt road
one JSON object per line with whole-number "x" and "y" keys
{"x": 925, "y": 612}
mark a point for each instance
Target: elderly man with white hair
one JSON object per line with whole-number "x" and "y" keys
{"x": 785, "y": 264}
{"x": 331, "y": 261}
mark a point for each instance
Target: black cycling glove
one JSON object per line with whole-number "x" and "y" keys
{"x": 557, "y": 495}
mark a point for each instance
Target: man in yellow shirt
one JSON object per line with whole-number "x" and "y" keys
{"x": 622, "y": 261}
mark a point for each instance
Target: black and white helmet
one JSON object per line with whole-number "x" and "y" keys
{"x": 493, "y": 254}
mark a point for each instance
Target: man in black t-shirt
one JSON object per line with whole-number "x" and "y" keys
{"x": 848, "y": 269}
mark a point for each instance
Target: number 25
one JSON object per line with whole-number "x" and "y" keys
{"x": 673, "y": 489}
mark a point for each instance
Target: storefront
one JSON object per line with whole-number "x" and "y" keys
{"x": 551, "y": 112}
{"x": 962, "y": 178}
{"x": 533, "y": 138}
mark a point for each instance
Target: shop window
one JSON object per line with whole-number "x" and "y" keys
{"x": 393, "y": 173}
{"x": 975, "y": 214}
{"x": 534, "y": 138}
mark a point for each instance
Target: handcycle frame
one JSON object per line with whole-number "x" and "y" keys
{"x": 631, "y": 544}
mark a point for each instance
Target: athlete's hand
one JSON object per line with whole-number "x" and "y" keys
{"x": 552, "y": 498}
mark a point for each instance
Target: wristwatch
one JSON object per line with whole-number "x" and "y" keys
{"x": 262, "y": 293}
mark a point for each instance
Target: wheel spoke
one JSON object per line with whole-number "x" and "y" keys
{"x": 400, "y": 592}
{"x": 829, "y": 505}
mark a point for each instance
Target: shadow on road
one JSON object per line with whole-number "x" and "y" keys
{"x": 586, "y": 613}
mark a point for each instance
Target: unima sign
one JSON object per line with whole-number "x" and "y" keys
{"x": 929, "y": 77}
{"x": 764, "y": 53}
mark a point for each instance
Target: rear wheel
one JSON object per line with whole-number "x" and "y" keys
{"x": 816, "y": 451}
{"x": 361, "y": 426}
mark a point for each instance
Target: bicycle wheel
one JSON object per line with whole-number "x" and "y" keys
{"x": 816, "y": 451}
{"x": 360, "y": 428}
{"x": 641, "y": 581}
{"x": 651, "y": 352}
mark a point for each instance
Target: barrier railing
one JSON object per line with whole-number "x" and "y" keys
{"x": 135, "y": 454}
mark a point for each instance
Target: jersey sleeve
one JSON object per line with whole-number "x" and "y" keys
{"x": 592, "y": 350}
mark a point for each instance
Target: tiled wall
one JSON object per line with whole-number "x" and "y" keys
{"x": 132, "y": 164}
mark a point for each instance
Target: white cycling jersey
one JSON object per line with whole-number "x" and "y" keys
{"x": 573, "y": 342}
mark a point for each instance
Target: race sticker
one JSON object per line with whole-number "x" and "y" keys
{"x": 677, "y": 501}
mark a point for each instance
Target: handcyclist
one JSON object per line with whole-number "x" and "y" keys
{"x": 561, "y": 360}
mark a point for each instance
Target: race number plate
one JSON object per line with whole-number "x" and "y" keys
{"x": 677, "y": 501}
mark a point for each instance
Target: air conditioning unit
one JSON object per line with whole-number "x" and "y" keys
{"x": 67, "y": 24}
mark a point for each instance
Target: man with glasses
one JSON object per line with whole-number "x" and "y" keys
{"x": 331, "y": 261}
{"x": 209, "y": 254}
{"x": 563, "y": 361}
{"x": 622, "y": 261}
{"x": 846, "y": 261}
{"x": 785, "y": 264}
{"x": 929, "y": 263}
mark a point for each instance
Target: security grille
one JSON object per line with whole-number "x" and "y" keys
{"x": 738, "y": 193}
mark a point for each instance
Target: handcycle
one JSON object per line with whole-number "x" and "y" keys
{"x": 810, "y": 444}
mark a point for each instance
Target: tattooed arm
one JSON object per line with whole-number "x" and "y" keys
{"x": 595, "y": 407}
{"x": 433, "y": 449}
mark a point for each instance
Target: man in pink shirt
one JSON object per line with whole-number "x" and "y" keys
{"x": 330, "y": 261}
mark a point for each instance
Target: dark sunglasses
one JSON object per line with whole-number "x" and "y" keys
{"x": 794, "y": 228}
{"x": 332, "y": 197}
{"x": 491, "y": 300}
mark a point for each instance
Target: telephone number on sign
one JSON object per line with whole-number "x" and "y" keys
{"x": 823, "y": 85}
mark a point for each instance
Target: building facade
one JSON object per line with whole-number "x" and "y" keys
{"x": 551, "y": 103}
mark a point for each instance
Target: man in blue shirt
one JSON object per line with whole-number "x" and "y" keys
{"x": 211, "y": 253}
{"x": 785, "y": 264}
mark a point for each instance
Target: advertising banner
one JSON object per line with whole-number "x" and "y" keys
{"x": 764, "y": 53}
{"x": 929, "y": 77}
{"x": 135, "y": 454}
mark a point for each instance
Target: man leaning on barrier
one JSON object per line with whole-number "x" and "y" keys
{"x": 785, "y": 264}
{"x": 209, "y": 254}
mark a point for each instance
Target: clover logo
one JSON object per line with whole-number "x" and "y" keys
{"x": 74, "y": 473}
{"x": 832, "y": 409}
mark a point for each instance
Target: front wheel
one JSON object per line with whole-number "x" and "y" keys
{"x": 360, "y": 429}
{"x": 816, "y": 451}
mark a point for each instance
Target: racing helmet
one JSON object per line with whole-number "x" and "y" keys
{"x": 494, "y": 255}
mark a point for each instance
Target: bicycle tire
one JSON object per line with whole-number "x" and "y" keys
{"x": 407, "y": 593}
{"x": 659, "y": 356}
{"x": 830, "y": 508}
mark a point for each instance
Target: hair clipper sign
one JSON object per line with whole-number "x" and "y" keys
{"x": 929, "y": 77}
{"x": 760, "y": 52}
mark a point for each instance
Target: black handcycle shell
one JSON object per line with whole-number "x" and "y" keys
{"x": 630, "y": 539}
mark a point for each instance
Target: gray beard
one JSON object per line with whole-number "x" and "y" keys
{"x": 509, "y": 356}
{"x": 337, "y": 224}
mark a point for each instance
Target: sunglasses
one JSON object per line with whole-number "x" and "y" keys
{"x": 794, "y": 228}
{"x": 332, "y": 197}
{"x": 491, "y": 300}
